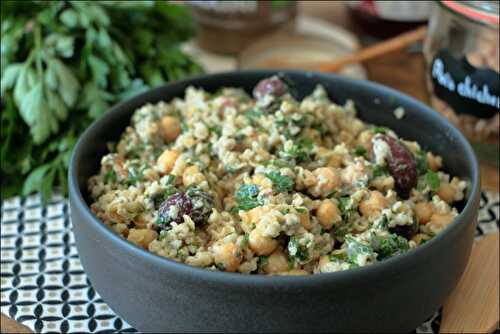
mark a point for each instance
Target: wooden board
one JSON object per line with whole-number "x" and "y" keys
{"x": 10, "y": 326}
{"x": 473, "y": 305}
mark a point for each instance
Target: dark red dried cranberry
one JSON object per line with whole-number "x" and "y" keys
{"x": 193, "y": 202}
{"x": 402, "y": 166}
{"x": 271, "y": 86}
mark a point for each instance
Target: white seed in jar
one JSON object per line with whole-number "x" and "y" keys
{"x": 399, "y": 112}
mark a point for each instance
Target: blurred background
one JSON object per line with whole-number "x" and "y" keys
{"x": 65, "y": 63}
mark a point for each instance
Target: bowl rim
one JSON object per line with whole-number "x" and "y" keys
{"x": 396, "y": 263}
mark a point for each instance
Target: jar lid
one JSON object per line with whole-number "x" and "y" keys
{"x": 481, "y": 11}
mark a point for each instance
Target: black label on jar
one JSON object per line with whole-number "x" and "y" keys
{"x": 467, "y": 89}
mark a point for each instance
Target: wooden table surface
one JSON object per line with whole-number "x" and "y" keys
{"x": 402, "y": 70}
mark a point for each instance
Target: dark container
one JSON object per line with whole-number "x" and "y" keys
{"x": 155, "y": 294}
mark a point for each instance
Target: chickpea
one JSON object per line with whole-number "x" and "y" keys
{"x": 295, "y": 272}
{"x": 435, "y": 162}
{"x": 248, "y": 218}
{"x": 441, "y": 219}
{"x": 276, "y": 263}
{"x": 305, "y": 220}
{"x": 166, "y": 161}
{"x": 327, "y": 180}
{"x": 420, "y": 238}
{"x": 140, "y": 221}
{"x": 255, "y": 214}
{"x": 446, "y": 192}
{"x": 423, "y": 211}
{"x": 227, "y": 255}
{"x": 261, "y": 245}
{"x": 365, "y": 139}
{"x": 121, "y": 229}
{"x": 383, "y": 183}
{"x": 192, "y": 175}
{"x": 335, "y": 161}
{"x": 345, "y": 136}
{"x": 171, "y": 128}
{"x": 324, "y": 261}
{"x": 373, "y": 205}
{"x": 142, "y": 237}
{"x": 328, "y": 214}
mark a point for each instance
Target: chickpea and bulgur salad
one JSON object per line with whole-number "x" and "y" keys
{"x": 269, "y": 184}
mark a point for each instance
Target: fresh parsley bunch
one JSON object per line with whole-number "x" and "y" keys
{"x": 63, "y": 63}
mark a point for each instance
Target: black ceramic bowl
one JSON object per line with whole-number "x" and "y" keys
{"x": 156, "y": 294}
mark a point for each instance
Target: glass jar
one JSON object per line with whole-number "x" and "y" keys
{"x": 227, "y": 27}
{"x": 382, "y": 18}
{"x": 462, "y": 56}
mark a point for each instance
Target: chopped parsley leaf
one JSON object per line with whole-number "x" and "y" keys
{"x": 421, "y": 159}
{"x": 356, "y": 248}
{"x": 432, "y": 180}
{"x": 134, "y": 176}
{"x": 360, "y": 151}
{"x": 262, "y": 261}
{"x": 253, "y": 116}
{"x": 170, "y": 179}
{"x": 283, "y": 183}
{"x": 110, "y": 176}
{"x": 215, "y": 129}
{"x": 276, "y": 162}
{"x": 379, "y": 129}
{"x": 390, "y": 246}
{"x": 295, "y": 250}
{"x": 301, "y": 151}
{"x": 246, "y": 197}
{"x": 379, "y": 170}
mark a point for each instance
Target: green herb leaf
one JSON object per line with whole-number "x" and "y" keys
{"x": 10, "y": 75}
{"x": 247, "y": 197}
{"x": 283, "y": 183}
{"x": 390, "y": 246}
{"x": 65, "y": 46}
{"x": 357, "y": 249}
{"x": 99, "y": 70}
{"x": 67, "y": 80}
{"x": 253, "y": 115}
{"x": 379, "y": 129}
{"x": 300, "y": 151}
{"x": 379, "y": 170}
{"x": 432, "y": 180}
{"x": 297, "y": 251}
{"x": 50, "y": 50}
{"x": 422, "y": 166}
{"x": 69, "y": 18}
{"x": 35, "y": 179}
{"x": 360, "y": 151}
{"x": 262, "y": 261}
{"x": 110, "y": 176}
{"x": 276, "y": 162}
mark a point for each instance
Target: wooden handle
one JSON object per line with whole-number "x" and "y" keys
{"x": 393, "y": 44}
{"x": 473, "y": 305}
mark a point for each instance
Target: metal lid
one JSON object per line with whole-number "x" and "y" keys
{"x": 481, "y": 11}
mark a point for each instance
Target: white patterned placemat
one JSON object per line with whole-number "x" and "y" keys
{"x": 44, "y": 287}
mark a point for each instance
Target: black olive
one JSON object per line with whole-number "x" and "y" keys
{"x": 193, "y": 202}
{"x": 402, "y": 166}
{"x": 270, "y": 86}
